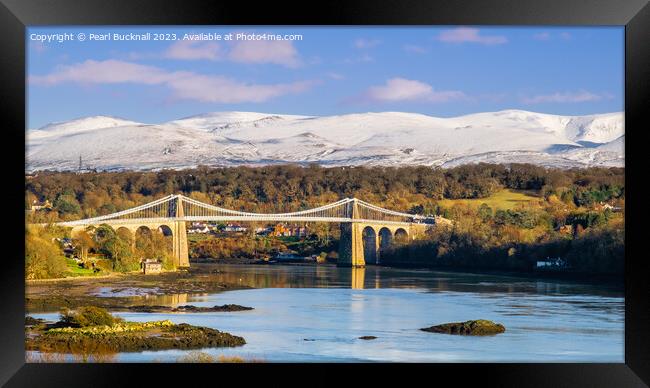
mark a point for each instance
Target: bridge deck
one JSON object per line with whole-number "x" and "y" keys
{"x": 234, "y": 218}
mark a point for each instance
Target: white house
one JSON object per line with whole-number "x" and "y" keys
{"x": 234, "y": 228}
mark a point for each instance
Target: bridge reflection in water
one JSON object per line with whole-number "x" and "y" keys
{"x": 358, "y": 277}
{"x": 289, "y": 276}
{"x": 366, "y": 229}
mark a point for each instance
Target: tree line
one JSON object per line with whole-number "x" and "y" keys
{"x": 289, "y": 188}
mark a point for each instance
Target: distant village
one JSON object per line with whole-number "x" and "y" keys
{"x": 278, "y": 230}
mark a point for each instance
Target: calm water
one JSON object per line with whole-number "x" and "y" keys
{"x": 317, "y": 313}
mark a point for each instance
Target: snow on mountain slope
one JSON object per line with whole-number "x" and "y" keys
{"x": 600, "y": 128}
{"x": 219, "y": 120}
{"x": 617, "y": 145}
{"x": 386, "y": 138}
{"x": 596, "y": 128}
{"x": 518, "y": 119}
{"x": 607, "y": 154}
{"x": 137, "y": 147}
{"x": 81, "y": 124}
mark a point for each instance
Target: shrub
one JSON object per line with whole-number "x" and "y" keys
{"x": 521, "y": 218}
{"x": 43, "y": 258}
{"x": 104, "y": 265}
{"x": 126, "y": 264}
{"x": 88, "y": 316}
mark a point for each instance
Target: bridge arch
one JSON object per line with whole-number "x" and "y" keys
{"x": 142, "y": 230}
{"x": 166, "y": 230}
{"x": 369, "y": 244}
{"x": 385, "y": 241}
{"x": 401, "y": 235}
{"x": 142, "y": 239}
{"x": 169, "y": 236}
{"x": 101, "y": 230}
{"x": 125, "y": 231}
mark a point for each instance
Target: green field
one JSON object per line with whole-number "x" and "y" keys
{"x": 504, "y": 199}
{"x": 75, "y": 270}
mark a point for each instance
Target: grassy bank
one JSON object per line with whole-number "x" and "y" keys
{"x": 504, "y": 199}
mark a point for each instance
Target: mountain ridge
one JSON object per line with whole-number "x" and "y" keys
{"x": 229, "y": 138}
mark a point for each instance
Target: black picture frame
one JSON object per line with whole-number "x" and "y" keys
{"x": 15, "y": 15}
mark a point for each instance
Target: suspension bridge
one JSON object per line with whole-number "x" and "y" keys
{"x": 366, "y": 229}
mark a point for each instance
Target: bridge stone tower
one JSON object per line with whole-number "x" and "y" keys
{"x": 179, "y": 237}
{"x": 351, "y": 241}
{"x": 354, "y": 246}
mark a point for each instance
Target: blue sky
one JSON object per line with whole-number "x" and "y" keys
{"x": 441, "y": 71}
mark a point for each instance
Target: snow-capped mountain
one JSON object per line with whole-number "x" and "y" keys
{"x": 385, "y": 138}
{"x": 81, "y": 124}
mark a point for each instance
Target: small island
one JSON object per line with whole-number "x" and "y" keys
{"x": 93, "y": 329}
{"x": 183, "y": 309}
{"x": 472, "y": 327}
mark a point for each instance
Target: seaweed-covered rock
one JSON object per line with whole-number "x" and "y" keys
{"x": 474, "y": 327}
{"x": 31, "y": 321}
{"x": 130, "y": 337}
{"x": 184, "y": 309}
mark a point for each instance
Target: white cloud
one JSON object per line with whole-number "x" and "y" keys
{"x": 471, "y": 35}
{"x": 225, "y": 90}
{"x": 363, "y": 43}
{"x": 241, "y": 51}
{"x": 100, "y": 72}
{"x": 401, "y": 89}
{"x": 183, "y": 84}
{"x": 193, "y": 50}
{"x": 566, "y": 97}
{"x": 548, "y": 36}
{"x": 280, "y": 52}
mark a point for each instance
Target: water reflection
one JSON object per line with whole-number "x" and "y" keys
{"x": 151, "y": 299}
{"x": 487, "y": 287}
{"x": 507, "y": 293}
{"x": 166, "y": 300}
{"x": 329, "y": 276}
{"x": 358, "y": 276}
